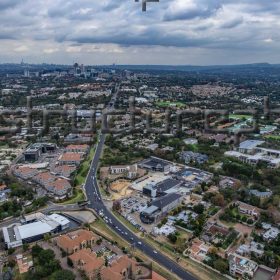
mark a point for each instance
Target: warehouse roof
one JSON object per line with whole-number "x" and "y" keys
{"x": 34, "y": 229}
{"x": 167, "y": 184}
{"x": 165, "y": 200}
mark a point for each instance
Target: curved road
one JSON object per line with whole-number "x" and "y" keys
{"x": 96, "y": 203}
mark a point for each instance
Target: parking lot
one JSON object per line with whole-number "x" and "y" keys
{"x": 131, "y": 209}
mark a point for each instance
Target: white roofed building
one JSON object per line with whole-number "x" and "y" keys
{"x": 33, "y": 229}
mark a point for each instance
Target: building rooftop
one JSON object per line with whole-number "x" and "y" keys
{"x": 71, "y": 157}
{"x": 59, "y": 219}
{"x": 77, "y": 147}
{"x": 154, "y": 162}
{"x": 90, "y": 262}
{"x": 167, "y": 184}
{"x": 14, "y": 234}
{"x": 165, "y": 200}
{"x": 250, "y": 144}
{"x": 74, "y": 239}
{"x": 34, "y": 229}
{"x": 61, "y": 184}
{"x": 261, "y": 194}
{"x": 150, "y": 210}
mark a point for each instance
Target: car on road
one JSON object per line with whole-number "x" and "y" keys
{"x": 139, "y": 242}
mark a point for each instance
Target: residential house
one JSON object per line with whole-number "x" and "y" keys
{"x": 25, "y": 173}
{"x": 228, "y": 182}
{"x": 246, "y": 249}
{"x": 240, "y": 266}
{"x": 199, "y": 250}
{"x": 121, "y": 268}
{"x": 45, "y": 179}
{"x": 61, "y": 188}
{"x": 271, "y": 234}
{"x": 128, "y": 171}
{"x": 87, "y": 261}
{"x": 248, "y": 209}
{"x": 75, "y": 241}
{"x": 263, "y": 196}
{"x": 189, "y": 156}
{"x": 70, "y": 159}
{"x": 77, "y": 148}
{"x": 64, "y": 170}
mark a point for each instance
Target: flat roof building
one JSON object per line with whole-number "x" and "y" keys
{"x": 161, "y": 188}
{"x": 33, "y": 229}
{"x": 249, "y": 146}
{"x": 156, "y": 164}
{"x": 160, "y": 207}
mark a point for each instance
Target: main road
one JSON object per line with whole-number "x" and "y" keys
{"x": 95, "y": 202}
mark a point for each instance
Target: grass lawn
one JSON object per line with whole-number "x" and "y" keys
{"x": 84, "y": 168}
{"x": 213, "y": 210}
{"x": 273, "y": 137}
{"x": 240, "y": 117}
{"x": 78, "y": 196}
{"x": 235, "y": 212}
{"x": 169, "y": 103}
{"x": 103, "y": 192}
{"x": 126, "y": 222}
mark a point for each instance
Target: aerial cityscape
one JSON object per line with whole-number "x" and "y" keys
{"x": 139, "y": 140}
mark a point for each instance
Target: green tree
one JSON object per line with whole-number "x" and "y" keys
{"x": 46, "y": 256}
{"x": 25, "y": 247}
{"x": 221, "y": 265}
{"x": 172, "y": 237}
{"x": 36, "y": 250}
{"x": 62, "y": 275}
{"x": 199, "y": 208}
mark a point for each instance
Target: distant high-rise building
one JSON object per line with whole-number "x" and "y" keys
{"x": 26, "y": 73}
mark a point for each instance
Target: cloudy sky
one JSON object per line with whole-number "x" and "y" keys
{"x": 200, "y": 32}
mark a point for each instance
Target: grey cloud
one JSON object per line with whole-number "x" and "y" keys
{"x": 232, "y": 23}
{"x": 201, "y": 9}
{"x": 7, "y": 4}
{"x": 150, "y": 37}
{"x": 170, "y": 23}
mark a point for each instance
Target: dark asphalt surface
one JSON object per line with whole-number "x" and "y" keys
{"x": 96, "y": 203}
